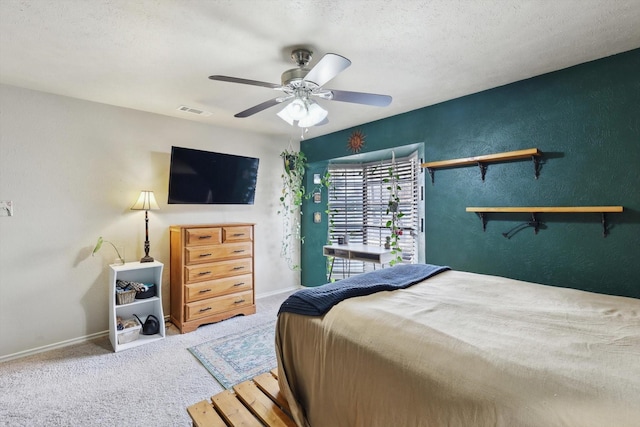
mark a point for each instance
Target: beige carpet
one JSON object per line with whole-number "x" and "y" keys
{"x": 90, "y": 385}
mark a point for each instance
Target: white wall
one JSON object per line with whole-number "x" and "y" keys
{"x": 73, "y": 169}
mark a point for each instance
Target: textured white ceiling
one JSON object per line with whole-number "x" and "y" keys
{"x": 155, "y": 55}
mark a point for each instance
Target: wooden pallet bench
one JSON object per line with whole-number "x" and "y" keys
{"x": 257, "y": 402}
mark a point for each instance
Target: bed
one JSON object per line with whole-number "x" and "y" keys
{"x": 461, "y": 349}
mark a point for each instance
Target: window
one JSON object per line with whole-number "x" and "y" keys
{"x": 358, "y": 198}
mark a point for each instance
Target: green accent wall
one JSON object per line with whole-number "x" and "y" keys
{"x": 586, "y": 121}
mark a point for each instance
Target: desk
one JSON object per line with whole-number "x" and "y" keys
{"x": 357, "y": 252}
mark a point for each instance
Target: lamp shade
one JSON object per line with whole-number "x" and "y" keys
{"x": 146, "y": 202}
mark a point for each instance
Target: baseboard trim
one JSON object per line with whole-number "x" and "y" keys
{"x": 53, "y": 346}
{"x": 85, "y": 338}
{"x": 277, "y": 292}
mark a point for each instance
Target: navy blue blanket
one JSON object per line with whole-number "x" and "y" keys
{"x": 317, "y": 301}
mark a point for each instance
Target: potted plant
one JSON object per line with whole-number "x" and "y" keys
{"x": 99, "y": 245}
{"x": 393, "y": 208}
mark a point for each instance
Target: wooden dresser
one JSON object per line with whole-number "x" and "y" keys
{"x": 211, "y": 273}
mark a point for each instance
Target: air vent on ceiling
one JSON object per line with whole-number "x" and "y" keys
{"x": 190, "y": 110}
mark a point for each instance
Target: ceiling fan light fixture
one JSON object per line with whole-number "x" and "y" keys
{"x": 315, "y": 116}
{"x": 284, "y": 116}
{"x": 305, "y": 112}
{"x": 297, "y": 109}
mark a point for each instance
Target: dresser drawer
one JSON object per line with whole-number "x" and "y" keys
{"x": 216, "y": 270}
{"x": 228, "y": 285}
{"x": 208, "y": 307}
{"x": 202, "y": 254}
{"x": 203, "y": 236}
{"x": 237, "y": 233}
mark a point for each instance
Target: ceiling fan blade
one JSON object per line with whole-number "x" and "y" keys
{"x": 245, "y": 81}
{"x": 360, "y": 98}
{"x": 327, "y": 68}
{"x": 257, "y": 108}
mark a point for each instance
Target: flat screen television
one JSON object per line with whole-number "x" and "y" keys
{"x": 203, "y": 177}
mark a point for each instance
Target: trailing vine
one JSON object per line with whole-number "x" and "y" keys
{"x": 293, "y": 193}
{"x": 393, "y": 208}
{"x": 326, "y": 182}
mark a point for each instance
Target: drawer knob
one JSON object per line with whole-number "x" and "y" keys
{"x": 238, "y": 251}
{"x": 239, "y": 301}
{"x": 205, "y": 309}
{"x": 240, "y": 267}
{"x": 203, "y": 273}
{"x": 203, "y": 255}
{"x": 204, "y": 237}
{"x": 203, "y": 291}
{"x": 238, "y": 235}
{"x": 238, "y": 284}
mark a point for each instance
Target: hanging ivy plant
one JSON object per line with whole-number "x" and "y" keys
{"x": 393, "y": 208}
{"x": 325, "y": 181}
{"x": 295, "y": 165}
{"x": 293, "y": 193}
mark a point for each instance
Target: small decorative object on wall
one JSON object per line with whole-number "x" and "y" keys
{"x": 146, "y": 202}
{"x": 6, "y": 208}
{"x": 356, "y": 141}
{"x": 317, "y": 197}
{"x": 317, "y": 217}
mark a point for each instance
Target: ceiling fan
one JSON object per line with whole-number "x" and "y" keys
{"x": 301, "y": 84}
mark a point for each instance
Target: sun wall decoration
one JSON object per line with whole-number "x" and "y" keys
{"x": 356, "y": 141}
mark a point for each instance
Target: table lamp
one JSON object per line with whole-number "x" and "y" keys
{"x": 146, "y": 202}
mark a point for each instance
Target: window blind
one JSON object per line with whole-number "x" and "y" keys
{"x": 358, "y": 199}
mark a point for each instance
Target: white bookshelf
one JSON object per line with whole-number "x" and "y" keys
{"x": 145, "y": 272}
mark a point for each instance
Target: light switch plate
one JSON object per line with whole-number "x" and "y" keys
{"x": 6, "y": 208}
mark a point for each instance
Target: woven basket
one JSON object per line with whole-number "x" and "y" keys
{"x": 125, "y": 297}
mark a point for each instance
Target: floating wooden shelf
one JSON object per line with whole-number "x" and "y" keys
{"x": 533, "y": 210}
{"x": 481, "y": 161}
{"x": 539, "y": 209}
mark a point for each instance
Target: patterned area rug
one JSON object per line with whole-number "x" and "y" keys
{"x": 239, "y": 357}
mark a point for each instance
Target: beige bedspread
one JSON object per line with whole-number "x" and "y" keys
{"x": 464, "y": 349}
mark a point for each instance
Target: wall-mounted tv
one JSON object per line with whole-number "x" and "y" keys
{"x": 204, "y": 177}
